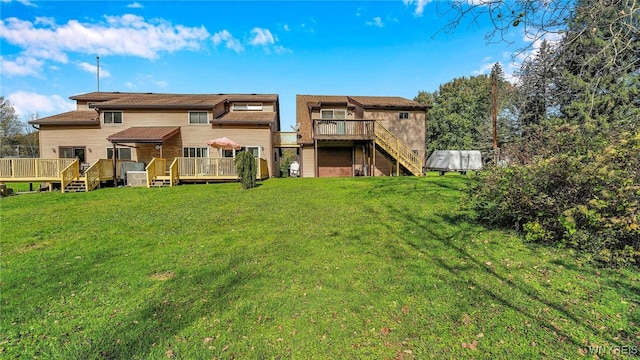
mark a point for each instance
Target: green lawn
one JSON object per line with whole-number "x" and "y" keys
{"x": 359, "y": 268}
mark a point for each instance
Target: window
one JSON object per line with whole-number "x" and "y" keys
{"x": 121, "y": 153}
{"x": 333, "y": 114}
{"x": 198, "y": 117}
{"x": 113, "y": 117}
{"x": 197, "y": 152}
{"x": 247, "y": 107}
{"x": 255, "y": 150}
{"x": 403, "y": 115}
{"x": 72, "y": 152}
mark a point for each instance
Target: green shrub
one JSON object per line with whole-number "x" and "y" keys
{"x": 246, "y": 169}
{"x": 589, "y": 203}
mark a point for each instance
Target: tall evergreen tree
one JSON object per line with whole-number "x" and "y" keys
{"x": 599, "y": 72}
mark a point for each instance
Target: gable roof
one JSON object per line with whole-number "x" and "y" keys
{"x": 128, "y": 100}
{"x": 76, "y": 117}
{"x": 304, "y": 103}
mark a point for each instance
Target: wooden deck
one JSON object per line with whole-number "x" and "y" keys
{"x": 209, "y": 169}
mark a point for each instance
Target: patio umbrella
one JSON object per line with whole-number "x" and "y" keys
{"x": 224, "y": 143}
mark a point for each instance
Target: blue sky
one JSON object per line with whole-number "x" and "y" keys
{"x": 391, "y": 48}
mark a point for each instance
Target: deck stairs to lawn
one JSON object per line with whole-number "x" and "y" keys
{"x": 398, "y": 151}
{"x": 160, "y": 181}
{"x": 77, "y": 185}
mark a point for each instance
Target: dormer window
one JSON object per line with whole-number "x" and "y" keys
{"x": 333, "y": 114}
{"x": 247, "y": 107}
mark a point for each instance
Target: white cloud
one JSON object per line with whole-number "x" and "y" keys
{"x": 21, "y": 66}
{"x": 126, "y": 35}
{"x": 377, "y": 21}
{"x": 135, "y": 5}
{"x": 230, "y": 42}
{"x": 262, "y": 37}
{"x": 279, "y": 49}
{"x": 26, "y": 103}
{"x": 286, "y": 27}
{"x": 23, "y": 2}
{"x": 419, "y": 4}
{"x": 94, "y": 69}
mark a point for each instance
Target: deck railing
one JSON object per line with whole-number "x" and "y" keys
{"x": 156, "y": 167}
{"x": 217, "y": 168}
{"x": 100, "y": 170}
{"x": 263, "y": 169}
{"x": 398, "y": 150}
{"x": 70, "y": 173}
{"x": 346, "y": 128}
{"x": 32, "y": 168}
{"x": 174, "y": 173}
{"x": 206, "y": 167}
{"x": 285, "y": 139}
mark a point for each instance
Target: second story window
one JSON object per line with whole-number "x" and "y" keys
{"x": 403, "y": 115}
{"x": 247, "y": 107}
{"x": 112, "y": 117}
{"x": 333, "y": 114}
{"x": 198, "y": 117}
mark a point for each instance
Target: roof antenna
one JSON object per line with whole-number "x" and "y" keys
{"x": 98, "y": 72}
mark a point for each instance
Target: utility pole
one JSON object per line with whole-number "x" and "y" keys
{"x": 98, "y": 72}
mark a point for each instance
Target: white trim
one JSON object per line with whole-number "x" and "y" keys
{"x": 403, "y": 115}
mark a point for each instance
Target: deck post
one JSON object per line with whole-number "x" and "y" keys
{"x": 113, "y": 156}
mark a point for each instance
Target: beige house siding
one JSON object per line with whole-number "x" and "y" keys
{"x": 411, "y": 131}
{"x": 94, "y": 139}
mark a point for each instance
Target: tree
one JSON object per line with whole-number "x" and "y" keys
{"x": 461, "y": 114}
{"x": 10, "y": 128}
{"x": 246, "y": 169}
{"x": 541, "y": 19}
{"x": 577, "y": 182}
{"x": 534, "y": 87}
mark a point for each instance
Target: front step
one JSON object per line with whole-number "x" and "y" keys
{"x": 160, "y": 183}
{"x": 76, "y": 186}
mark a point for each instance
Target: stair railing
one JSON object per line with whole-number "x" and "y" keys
{"x": 174, "y": 173}
{"x": 398, "y": 150}
{"x": 156, "y": 167}
{"x": 70, "y": 173}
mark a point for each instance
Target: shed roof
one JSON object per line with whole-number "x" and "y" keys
{"x": 148, "y": 134}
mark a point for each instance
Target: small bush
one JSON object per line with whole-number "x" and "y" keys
{"x": 589, "y": 203}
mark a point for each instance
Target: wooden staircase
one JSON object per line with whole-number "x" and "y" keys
{"x": 398, "y": 151}
{"x": 77, "y": 185}
{"x": 160, "y": 182}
